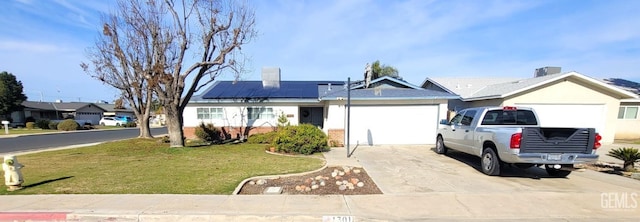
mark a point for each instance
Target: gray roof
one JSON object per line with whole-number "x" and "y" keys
{"x": 111, "y": 107}
{"x": 467, "y": 86}
{"x": 471, "y": 89}
{"x": 59, "y": 106}
{"x": 382, "y": 93}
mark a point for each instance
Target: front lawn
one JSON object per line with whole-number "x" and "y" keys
{"x": 144, "y": 166}
{"x": 25, "y": 131}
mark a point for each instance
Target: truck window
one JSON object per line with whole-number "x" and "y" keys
{"x": 468, "y": 117}
{"x": 456, "y": 119}
{"x": 509, "y": 117}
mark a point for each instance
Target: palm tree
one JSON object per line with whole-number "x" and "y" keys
{"x": 629, "y": 155}
{"x": 380, "y": 70}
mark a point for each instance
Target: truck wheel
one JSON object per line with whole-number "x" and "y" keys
{"x": 440, "y": 148}
{"x": 557, "y": 172}
{"x": 490, "y": 162}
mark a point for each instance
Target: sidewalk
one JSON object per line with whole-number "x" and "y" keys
{"x": 438, "y": 206}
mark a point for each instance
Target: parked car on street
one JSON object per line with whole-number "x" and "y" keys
{"x": 512, "y": 135}
{"x": 113, "y": 121}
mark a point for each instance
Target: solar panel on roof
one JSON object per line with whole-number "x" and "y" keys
{"x": 254, "y": 89}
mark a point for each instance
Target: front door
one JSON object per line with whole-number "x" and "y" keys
{"x": 312, "y": 115}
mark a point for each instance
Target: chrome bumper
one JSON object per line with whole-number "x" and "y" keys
{"x": 550, "y": 158}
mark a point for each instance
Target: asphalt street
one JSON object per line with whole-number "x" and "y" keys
{"x": 45, "y": 141}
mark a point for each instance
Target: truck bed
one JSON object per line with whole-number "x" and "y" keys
{"x": 557, "y": 140}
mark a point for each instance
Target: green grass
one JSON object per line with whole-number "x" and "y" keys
{"x": 144, "y": 166}
{"x": 25, "y": 131}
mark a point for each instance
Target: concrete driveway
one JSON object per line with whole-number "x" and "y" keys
{"x": 417, "y": 169}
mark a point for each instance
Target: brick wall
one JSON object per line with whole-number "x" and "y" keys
{"x": 336, "y": 135}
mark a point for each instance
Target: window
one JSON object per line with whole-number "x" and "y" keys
{"x": 456, "y": 119}
{"x": 515, "y": 117}
{"x": 260, "y": 113}
{"x": 628, "y": 112}
{"x": 209, "y": 113}
{"x": 468, "y": 117}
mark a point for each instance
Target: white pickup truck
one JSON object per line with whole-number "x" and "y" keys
{"x": 512, "y": 135}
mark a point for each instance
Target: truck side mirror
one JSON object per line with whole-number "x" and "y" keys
{"x": 444, "y": 122}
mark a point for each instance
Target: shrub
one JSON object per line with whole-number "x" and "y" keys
{"x": 208, "y": 132}
{"x": 262, "y": 138}
{"x": 130, "y": 124}
{"x": 53, "y": 125}
{"x": 42, "y": 123}
{"x": 30, "y": 119}
{"x": 31, "y": 125}
{"x": 68, "y": 125}
{"x": 628, "y": 155}
{"x": 304, "y": 139}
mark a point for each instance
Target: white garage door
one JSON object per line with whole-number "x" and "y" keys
{"x": 375, "y": 125}
{"x": 570, "y": 115}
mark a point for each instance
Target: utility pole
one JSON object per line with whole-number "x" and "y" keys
{"x": 348, "y": 114}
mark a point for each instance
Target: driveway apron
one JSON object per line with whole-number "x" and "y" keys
{"x": 402, "y": 169}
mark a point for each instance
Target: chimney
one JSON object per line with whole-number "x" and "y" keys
{"x": 271, "y": 77}
{"x": 548, "y": 70}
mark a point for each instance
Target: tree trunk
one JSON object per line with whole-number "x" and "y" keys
{"x": 628, "y": 166}
{"x": 174, "y": 126}
{"x": 145, "y": 131}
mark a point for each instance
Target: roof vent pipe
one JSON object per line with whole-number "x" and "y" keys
{"x": 548, "y": 70}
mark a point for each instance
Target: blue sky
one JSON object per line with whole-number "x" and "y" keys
{"x": 43, "y": 42}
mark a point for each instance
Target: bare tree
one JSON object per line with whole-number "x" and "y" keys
{"x": 207, "y": 34}
{"x": 121, "y": 58}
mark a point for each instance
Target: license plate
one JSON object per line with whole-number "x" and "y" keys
{"x": 554, "y": 157}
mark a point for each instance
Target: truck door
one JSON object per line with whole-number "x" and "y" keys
{"x": 466, "y": 131}
{"x": 456, "y": 134}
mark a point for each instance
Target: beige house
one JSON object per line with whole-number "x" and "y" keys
{"x": 628, "y": 122}
{"x": 560, "y": 100}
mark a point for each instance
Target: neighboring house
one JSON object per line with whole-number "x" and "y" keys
{"x": 560, "y": 99}
{"x": 110, "y": 110}
{"x": 388, "y": 111}
{"x": 627, "y": 125}
{"x": 86, "y": 112}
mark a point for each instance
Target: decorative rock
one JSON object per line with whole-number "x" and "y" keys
{"x": 334, "y": 174}
{"x": 341, "y": 173}
{"x": 338, "y": 183}
{"x": 354, "y": 180}
{"x": 345, "y": 182}
{"x": 307, "y": 189}
{"x": 315, "y": 186}
{"x": 319, "y": 177}
{"x": 298, "y": 188}
{"x": 261, "y": 182}
{"x": 360, "y": 184}
{"x": 252, "y": 182}
{"x": 322, "y": 183}
{"x": 338, "y": 178}
{"x": 356, "y": 171}
{"x": 351, "y": 186}
{"x": 342, "y": 187}
{"x": 308, "y": 180}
